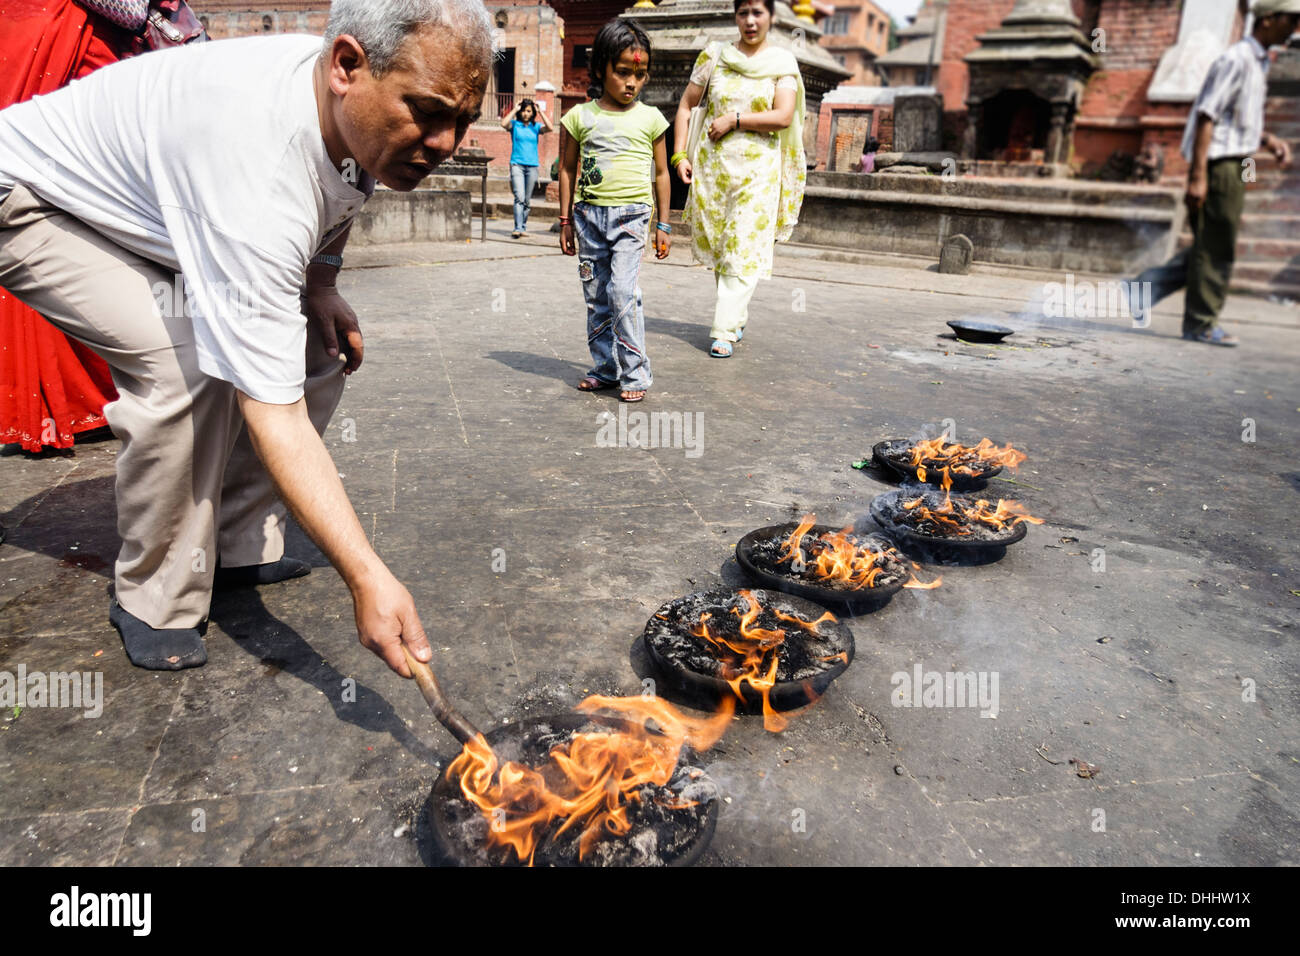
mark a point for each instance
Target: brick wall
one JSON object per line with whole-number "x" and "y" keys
{"x": 227, "y": 20}
{"x": 535, "y": 40}
{"x": 1137, "y": 32}
{"x": 967, "y": 19}
{"x": 1114, "y": 114}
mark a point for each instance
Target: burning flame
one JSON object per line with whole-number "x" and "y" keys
{"x": 752, "y": 656}
{"x": 587, "y": 783}
{"x": 956, "y": 518}
{"x": 838, "y": 557}
{"x": 952, "y": 458}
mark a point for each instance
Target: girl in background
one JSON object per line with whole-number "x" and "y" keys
{"x": 526, "y": 124}
{"x": 607, "y": 204}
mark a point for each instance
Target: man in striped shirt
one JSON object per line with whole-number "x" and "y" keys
{"x": 1224, "y": 131}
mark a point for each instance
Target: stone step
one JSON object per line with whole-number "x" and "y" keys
{"x": 1268, "y": 201}
{"x": 1267, "y": 289}
{"x": 1271, "y": 225}
{"x": 1275, "y": 276}
{"x": 543, "y": 212}
{"x": 1253, "y": 249}
{"x": 540, "y": 211}
{"x": 1266, "y": 277}
{"x": 1274, "y": 180}
{"x": 498, "y": 187}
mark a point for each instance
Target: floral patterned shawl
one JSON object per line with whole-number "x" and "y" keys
{"x": 774, "y": 62}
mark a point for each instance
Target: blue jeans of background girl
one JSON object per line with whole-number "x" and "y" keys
{"x": 611, "y": 241}
{"x": 522, "y": 181}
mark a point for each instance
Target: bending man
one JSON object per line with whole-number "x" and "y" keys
{"x": 227, "y": 175}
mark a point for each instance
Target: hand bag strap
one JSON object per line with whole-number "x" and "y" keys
{"x": 708, "y": 80}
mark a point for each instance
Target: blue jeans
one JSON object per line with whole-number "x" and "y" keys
{"x": 611, "y": 240}
{"x": 522, "y": 181}
{"x": 1168, "y": 278}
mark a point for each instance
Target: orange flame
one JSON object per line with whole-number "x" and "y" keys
{"x": 956, "y": 519}
{"x": 837, "y": 557}
{"x": 953, "y": 458}
{"x": 752, "y": 656}
{"x": 587, "y": 783}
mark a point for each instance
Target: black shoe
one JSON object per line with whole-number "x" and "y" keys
{"x": 251, "y": 575}
{"x": 157, "y": 649}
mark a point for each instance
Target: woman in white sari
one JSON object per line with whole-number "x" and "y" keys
{"x": 747, "y": 178}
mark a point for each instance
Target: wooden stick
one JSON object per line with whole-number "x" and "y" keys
{"x": 447, "y": 715}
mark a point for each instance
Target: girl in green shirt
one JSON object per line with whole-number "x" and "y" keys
{"x": 619, "y": 143}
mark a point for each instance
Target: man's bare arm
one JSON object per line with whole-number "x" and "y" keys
{"x": 308, "y": 481}
{"x": 1198, "y": 174}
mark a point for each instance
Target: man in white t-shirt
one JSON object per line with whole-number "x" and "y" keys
{"x": 183, "y": 214}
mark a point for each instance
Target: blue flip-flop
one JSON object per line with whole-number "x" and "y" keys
{"x": 720, "y": 349}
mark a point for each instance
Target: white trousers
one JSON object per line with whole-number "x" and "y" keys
{"x": 732, "y": 311}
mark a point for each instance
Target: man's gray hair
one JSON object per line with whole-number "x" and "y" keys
{"x": 380, "y": 26}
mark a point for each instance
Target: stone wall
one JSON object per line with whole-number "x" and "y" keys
{"x": 1049, "y": 224}
{"x": 423, "y": 215}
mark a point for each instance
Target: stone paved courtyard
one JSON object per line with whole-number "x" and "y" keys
{"x": 462, "y": 434}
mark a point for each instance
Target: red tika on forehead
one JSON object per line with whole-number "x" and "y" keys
{"x": 636, "y": 57}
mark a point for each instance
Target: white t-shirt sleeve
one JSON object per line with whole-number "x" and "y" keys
{"x": 242, "y": 209}
{"x": 249, "y": 329}
{"x": 235, "y": 196}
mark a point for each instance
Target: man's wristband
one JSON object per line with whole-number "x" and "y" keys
{"x": 327, "y": 260}
{"x": 663, "y": 227}
{"x": 677, "y": 158}
{"x": 737, "y": 119}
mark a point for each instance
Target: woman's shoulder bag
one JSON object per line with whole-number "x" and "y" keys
{"x": 695, "y": 130}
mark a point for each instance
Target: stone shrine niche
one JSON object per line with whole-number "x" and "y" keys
{"x": 1015, "y": 127}
{"x": 1026, "y": 83}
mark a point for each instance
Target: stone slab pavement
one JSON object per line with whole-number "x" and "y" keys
{"x": 1174, "y": 670}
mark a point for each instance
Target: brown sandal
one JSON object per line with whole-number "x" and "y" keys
{"x": 593, "y": 384}
{"x": 626, "y": 395}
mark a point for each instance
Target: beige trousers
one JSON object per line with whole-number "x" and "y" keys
{"x": 186, "y": 467}
{"x": 732, "y": 309}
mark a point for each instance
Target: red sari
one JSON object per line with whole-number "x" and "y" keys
{"x": 51, "y": 387}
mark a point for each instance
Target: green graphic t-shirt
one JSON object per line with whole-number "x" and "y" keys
{"x": 616, "y": 153}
